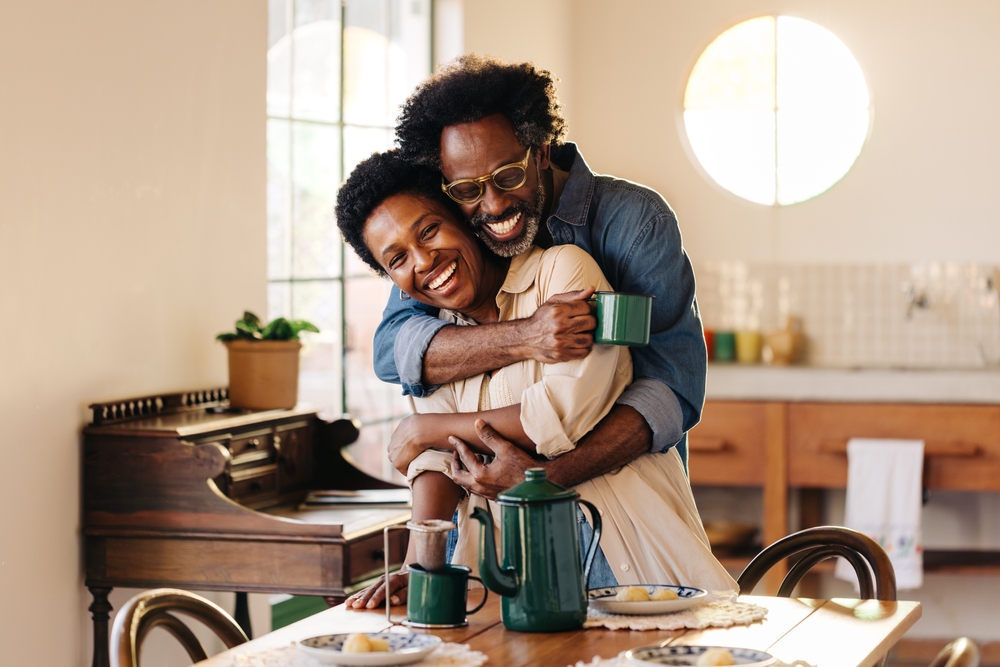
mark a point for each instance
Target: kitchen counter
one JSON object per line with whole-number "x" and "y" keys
{"x": 808, "y": 383}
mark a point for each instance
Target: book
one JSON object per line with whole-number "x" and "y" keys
{"x": 360, "y": 498}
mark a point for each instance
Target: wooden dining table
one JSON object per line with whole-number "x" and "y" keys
{"x": 824, "y": 633}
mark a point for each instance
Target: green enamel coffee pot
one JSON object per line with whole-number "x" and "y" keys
{"x": 541, "y": 581}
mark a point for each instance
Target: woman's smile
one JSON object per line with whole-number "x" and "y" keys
{"x": 443, "y": 279}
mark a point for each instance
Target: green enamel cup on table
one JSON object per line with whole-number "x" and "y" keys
{"x": 622, "y": 318}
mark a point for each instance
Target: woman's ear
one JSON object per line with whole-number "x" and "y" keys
{"x": 541, "y": 154}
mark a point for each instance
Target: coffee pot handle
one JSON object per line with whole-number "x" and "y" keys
{"x": 595, "y": 520}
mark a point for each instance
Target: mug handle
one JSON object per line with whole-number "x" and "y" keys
{"x": 486, "y": 594}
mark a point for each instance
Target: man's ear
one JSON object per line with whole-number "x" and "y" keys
{"x": 541, "y": 154}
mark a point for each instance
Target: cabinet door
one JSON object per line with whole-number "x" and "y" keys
{"x": 728, "y": 447}
{"x": 962, "y": 442}
{"x": 296, "y": 463}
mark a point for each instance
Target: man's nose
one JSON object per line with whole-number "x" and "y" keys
{"x": 494, "y": 201}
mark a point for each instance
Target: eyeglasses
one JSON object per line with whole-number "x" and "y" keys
{"x": 470, "y": 190}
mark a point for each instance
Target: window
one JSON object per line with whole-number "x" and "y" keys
{"x": 336, "y": 76}
{"x": 776, "y": 110}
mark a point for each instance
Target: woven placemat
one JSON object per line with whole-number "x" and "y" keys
{"x": 717, "y": 614}
{"x": 445, "y": 655}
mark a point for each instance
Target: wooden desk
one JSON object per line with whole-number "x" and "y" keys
{"x": 180, "y": 491}
{"x": 826, "y": 633}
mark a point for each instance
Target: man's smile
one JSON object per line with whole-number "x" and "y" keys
{"x": 501, "y": 229}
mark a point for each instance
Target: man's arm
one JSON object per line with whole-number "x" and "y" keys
{"x": 414, "y": 348}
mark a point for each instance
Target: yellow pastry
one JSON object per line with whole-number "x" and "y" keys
{"x": 356, "y": 642}
{"x": 664, "y": 594}
{"x": 633, "y": 594}
{"x": 715, "y": 656}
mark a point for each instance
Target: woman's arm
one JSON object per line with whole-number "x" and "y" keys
{"x": 420, "y": 432}
{"x": 435, "y": 496}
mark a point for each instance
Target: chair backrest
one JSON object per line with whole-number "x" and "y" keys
{"x": 157, "y": 608}
{"x": 962, "y": 652}
{"x": 876, "y": 577}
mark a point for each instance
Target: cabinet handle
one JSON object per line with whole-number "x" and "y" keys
{"x": 707, "y": 445}
{"x": 253, "y": 444}
{"x": 378, "y": 555}
{"x": 931, "y": 448}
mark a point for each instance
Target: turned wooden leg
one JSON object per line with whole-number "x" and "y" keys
{"x": 101, "y": 610}
{"x": 242, "y": 613}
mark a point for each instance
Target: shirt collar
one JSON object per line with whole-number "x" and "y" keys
{"x": 573, "y": 203}
{"x": 522, "y": 271}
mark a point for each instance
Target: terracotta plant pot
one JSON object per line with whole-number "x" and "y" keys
{"x": 263, "y": 374}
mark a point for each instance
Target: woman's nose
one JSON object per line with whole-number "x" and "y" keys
{"x": 424, "y": 259}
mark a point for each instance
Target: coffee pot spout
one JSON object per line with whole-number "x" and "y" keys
{"x": 497, "y": 579}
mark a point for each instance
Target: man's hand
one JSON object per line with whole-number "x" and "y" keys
{"x": 489, "y": 479}
{"x": 562, "y": 329}
{"x": 374, "y": 595}
{"x": 408, "y": 442}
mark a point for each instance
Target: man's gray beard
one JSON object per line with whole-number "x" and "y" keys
{"x": 532, "y": 215}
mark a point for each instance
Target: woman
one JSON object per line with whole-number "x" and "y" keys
{"x": 397, "y": 219}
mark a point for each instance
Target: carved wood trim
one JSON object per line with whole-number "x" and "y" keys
{"x": 114, "y": 412}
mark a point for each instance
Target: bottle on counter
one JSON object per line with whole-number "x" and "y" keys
{"x": 784, "y": 346}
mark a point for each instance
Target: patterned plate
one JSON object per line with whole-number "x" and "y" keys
{"x": 688, "y": 655}
{"x": 603, "y": 599}
{"x": 403, "y": 649}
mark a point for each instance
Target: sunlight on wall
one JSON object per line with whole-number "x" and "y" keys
{"x": 776, "y": 110}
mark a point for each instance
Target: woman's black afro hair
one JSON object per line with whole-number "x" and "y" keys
{"x": 473, "y": 87}
{"x": 372, "y": 182}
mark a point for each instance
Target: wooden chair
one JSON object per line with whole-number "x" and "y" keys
{"x": 875, "y": 574}
{"x": 962, "y": 652}
{"x": 157, "y": 608}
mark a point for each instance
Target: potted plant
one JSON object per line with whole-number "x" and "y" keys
{"x": 264, "y": 362}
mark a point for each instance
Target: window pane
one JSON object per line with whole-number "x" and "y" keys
{"x": 816, "y": 149}
{"x": 368, "y": 398}
{"x": 361, "y": 142}
{"x": 278, "y": 61}
{"x": 279, "y": 300}
{"x": 367, "y": 52}
{"x": 736, "y": 70}
{"x": 410, "y": 27}
{"x": 816, "y": 70}
{"x": 279, "y": 199}
{"x": 316, "y": 60}
{"x": 316, "y": 175}
{"x": 320, "y": 371}
{"x": 736, "y": 148}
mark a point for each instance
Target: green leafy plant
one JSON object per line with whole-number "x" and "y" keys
{"x": 249, "y": 328}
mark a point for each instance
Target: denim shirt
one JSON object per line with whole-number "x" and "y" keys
{"x": 632, "y": 233}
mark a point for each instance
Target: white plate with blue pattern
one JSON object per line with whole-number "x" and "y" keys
{"x": 688, "y": 655}
{"x": 403, "y": 649}
{"x": 604, "y": 599}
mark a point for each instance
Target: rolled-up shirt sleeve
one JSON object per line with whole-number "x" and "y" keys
{"x": 572, "y": 397}
{"x": 412, "y": 341}
{"x": 659, "y": 406}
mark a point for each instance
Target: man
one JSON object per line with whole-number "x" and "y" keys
{"x": 493, "y": 130}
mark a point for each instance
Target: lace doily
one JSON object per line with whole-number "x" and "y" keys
{"x": 717, "y": 614}
{"x": 619, "y": 661}
{"x": 445, "y": 655}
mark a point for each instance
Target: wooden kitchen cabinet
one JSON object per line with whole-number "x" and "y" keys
{"x": 785, "y": 447}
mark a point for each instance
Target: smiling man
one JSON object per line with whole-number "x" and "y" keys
{"x": 494, "y": 131}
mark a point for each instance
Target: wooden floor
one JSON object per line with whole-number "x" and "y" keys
{"x": 920, "y": 652}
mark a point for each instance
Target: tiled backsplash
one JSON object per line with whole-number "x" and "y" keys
{"x": 921, "y": 315}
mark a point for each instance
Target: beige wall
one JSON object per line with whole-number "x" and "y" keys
{"x": 132, "y": 230}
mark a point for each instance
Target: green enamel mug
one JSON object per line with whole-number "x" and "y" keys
{"x": 437, "y": 598}
{"x": 622, "y": 318}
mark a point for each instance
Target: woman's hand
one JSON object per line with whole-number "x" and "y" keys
{"x": 374, "y": 596}
{"x": 409, "y": 440}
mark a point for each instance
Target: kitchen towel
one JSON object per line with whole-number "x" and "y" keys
{"x": 884, "y": 502}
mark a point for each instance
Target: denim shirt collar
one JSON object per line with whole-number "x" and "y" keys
{"x": 574, "y": 202}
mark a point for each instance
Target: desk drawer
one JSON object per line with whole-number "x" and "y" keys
{"x": 365, "y": 558}
{"x": 249, "y": 446}
{"x": 727, "y": 448}
{"x": 252, "y": 484}
{"x": 962, "y": 442}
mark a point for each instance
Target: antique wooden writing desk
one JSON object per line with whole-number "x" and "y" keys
{"x": 178, "y": 490}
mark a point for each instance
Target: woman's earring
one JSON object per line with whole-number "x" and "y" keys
{"x": 403, "y": 296}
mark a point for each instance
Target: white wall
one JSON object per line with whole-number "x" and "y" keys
{"x": 132, "y": 230}
{"x": 920, "y": 190}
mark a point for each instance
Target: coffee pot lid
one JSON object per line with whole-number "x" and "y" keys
{"x": 535, "y": 488}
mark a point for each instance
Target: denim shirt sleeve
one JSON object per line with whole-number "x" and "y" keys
{"x": 636, "y": 239}
{"x": 401, "y": 341}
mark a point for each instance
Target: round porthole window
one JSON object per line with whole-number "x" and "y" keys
{"x": 776, "y": 110}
